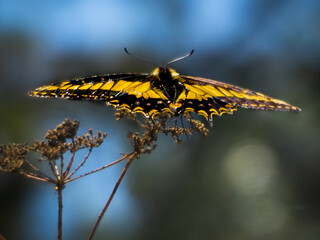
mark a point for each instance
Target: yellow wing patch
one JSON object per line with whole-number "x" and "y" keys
{"x": 96, "y": 86}
{"x": 120, "y": 85}
{"x": 225, "y": 92}
{"x": 131, "y": 86}
{"x": 142, "y": 87}
{"x": 195, "y": 90}
{"x": 85, "y": 87}
{"x": 107, "y": 86}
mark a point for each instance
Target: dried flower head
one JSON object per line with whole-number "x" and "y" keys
{"x": 66, "y": 130}
{"x": 88, "y": 140}
{"x": 12, "y": 156}
{"x": 56, "y": 144}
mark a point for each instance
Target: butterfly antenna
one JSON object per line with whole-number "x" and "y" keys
{"x": 144, "y": 60}
{"x": 178, "y": 59}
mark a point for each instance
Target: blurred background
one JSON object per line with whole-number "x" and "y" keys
{"x": 256, "y": 176}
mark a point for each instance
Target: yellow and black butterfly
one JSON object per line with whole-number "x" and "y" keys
{"x": 163, "y": 91}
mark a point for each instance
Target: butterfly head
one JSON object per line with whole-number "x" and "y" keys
{"x": 164, "y": 73}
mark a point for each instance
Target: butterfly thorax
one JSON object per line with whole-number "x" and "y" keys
{"x": 166, "y": 80}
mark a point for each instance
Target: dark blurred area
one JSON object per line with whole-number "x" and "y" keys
{"x": 256, "y": 176}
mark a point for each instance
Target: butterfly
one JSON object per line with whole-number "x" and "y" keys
{"x": 163, "y": 91}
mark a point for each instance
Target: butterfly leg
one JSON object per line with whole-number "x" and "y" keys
{"x": 211, "y": 121}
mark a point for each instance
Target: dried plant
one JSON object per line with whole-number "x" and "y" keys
{"x": 57, "y": 142}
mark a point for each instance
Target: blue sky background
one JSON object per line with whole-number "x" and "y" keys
{"x": 87, "y": 26}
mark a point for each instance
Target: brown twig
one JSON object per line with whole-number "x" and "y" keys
{"x": 99, "y": 169}
{"x": 71, "y": 160}
{"x": 60, "y": 204}
{"x": 80, "y": 164}
{"x": 22, "y": 172}
{"x": 61, "y": 167}
{"x": 54, "y": 168}
{"x": 110, "y": 198}
{"x": 38, "y": 170}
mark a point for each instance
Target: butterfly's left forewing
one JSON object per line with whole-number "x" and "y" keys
{"x": 103, "y": 87}
{"x": 133, "y": 92}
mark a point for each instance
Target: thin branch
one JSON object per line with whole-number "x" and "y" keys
{"x": 80, "y": 164}
{"x": 61, "y": 167}
{"x": 60, "y": 204}
{"x": 38, "y": 170}
{"x": 130, "y": 160}
{"x": 32, "y": 166}
{"x": 35, "y": 177}
{"x": 54, "y": 168}
{"x": 71, "y": 160}
{"x": 99, "y": 169}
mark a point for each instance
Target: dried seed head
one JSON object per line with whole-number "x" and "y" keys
{"x": 66, "y": 130}
{"x": 12, "y": 156}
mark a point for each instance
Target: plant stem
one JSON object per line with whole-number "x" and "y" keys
{"x": 110, "y": 198}
{"x": 60, "y": 189}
